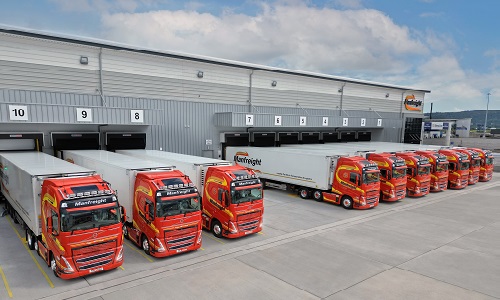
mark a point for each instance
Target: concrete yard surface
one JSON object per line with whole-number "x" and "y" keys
{"x": 442, "y": 246}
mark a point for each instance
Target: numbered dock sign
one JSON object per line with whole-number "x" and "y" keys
{"x": 249, "y": 120}
{"x": 363, "y": 122}
{"x": 137, "y": 116}
{"x": 84, "y": 115}
{"x": 303, "y": 121}
{"x": 345, "y": 122}
{"x": 18, "y": 113}
{"x": 325, "y": 121}
{"x": 277, "y": 121}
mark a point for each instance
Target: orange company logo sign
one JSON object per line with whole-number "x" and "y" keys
{"x": 412, "y": 103}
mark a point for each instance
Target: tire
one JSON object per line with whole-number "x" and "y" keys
{"x": 30, "y": 239}
{"x": 217, "y": 228}
{"x": 13, "y": 214}
{"x": 145, "y": 244}
{"x": 125, "y": 232}
{"x": 304, "y": 193}
{"x": 318, "y": 195}
{"x": 346, "y": 202}
{"x": 53, "y": 265}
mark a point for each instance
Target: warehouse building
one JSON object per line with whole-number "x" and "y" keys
{"x": 63, "y": 92}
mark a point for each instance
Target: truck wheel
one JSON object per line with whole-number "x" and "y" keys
{"x": 346, "y": 202}
{"x": 125, "y": 232}
{"x": 53, "y": 265}
{"x": 30, "y": 239}
{"x": 217, "y": 228}
{"x": 318, "y": 196}
{"x": 145, "y": 244}
{"x": 304, "y": 193}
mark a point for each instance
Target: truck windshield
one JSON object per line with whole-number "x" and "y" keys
{"x": 171, "y": 207}
{"x": 489, "y": 161}
{"x": 442, "y": 167}
{"x": 424, "y": 170}
{"x": 398, "y": 173}
{"x": 245, "y": 195}
{"x": 464, "y": 166}
{"x": 476, "y": 163}
{"x": 89, "y": 217}
{"x": 370, "y": 177}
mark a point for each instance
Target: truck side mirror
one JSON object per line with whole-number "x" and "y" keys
{"x": 225, "y": 199}
{"x": 148, "y": 215}
{"x": 123, "y": 214}
{"x": 50, "y": 226}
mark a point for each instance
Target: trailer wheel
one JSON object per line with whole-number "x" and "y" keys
{"x": 217, "y": 228}
{"x": 304, "y": 193}
{"x": 30, "y": 239}
{"x": 318, "y": 195}
{"x": 346, "y": 202}
{"x": 145, "y": 244}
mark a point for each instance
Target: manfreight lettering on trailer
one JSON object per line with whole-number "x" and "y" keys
{"x": 242, "y": 157}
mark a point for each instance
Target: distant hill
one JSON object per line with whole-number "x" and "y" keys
{"x": 477, "y": 116}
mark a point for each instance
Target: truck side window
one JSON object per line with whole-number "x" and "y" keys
{"x": 219, "y": 197}
{"x": 353, "y": 177}
{"x": 452, "y": 166}
{"x": 383, "y": 173}
{"x": 55, "y": 221}
{"x": 409, "y": 171}
{"x": 151, "y": 211}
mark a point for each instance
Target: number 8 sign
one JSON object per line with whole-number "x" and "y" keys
{"x": 137, "y": 116}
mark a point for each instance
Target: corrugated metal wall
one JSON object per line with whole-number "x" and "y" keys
{"x": 179, "y": 106}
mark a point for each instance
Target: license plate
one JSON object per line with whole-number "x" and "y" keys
{"x": 96, "y": 270}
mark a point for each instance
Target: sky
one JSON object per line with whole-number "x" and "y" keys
{"x": 450, "y": 47}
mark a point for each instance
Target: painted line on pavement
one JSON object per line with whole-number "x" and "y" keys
{"x": 31, "y": 254}
{"x": 138, "y": 251}
{"x": 215, "y": 239}
{"x": 5, "y": 282}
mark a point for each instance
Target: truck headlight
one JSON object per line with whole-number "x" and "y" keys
{"x": 232, "y": 227}
{"x": 68, "y": 268}
{"x": 120, "y": 254}
{"x": 160, "y": 246}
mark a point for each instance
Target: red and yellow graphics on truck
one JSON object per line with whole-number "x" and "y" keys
{"x": 418, "y": 174}
{"x": 356, "y": 183}
{"x": 474, "y": 164}
{"x": 486, "y": 170}
{"x": 166, "y": 214}
{"x": 233, "y": 204}
{"x": 458, "y": 170}
{"x": 439, "y": 169}
{"x": 81, "y": 226}
{"x": 392, "y": 175}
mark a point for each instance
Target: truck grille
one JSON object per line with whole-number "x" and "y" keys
{"x": 372, "y": 197}
{"x": 249, "y": 216}
{"x": 249, "y": 225}
{"x": 464, "y": 180}
{"x": 400, "y": 190}
{"x": 181, "y": 238}
{"x": 93, "y": 256}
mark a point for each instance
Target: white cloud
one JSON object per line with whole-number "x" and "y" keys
{"x": 296, "y": 36}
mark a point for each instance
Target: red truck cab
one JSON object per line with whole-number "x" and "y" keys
{"x": 418, "y": 174}
{"x": 356, "y": 183}
{"x": 486, "y": 170}
{"x": 232, "y": 201}
{"x": 439, "y": 169}
{"x": 474, "y": 164}
{"x": 392, "y": 175}
{"x": 166, "y": 214}
{"x": 458, "y": 170}
{"x": 81, "y": 225}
